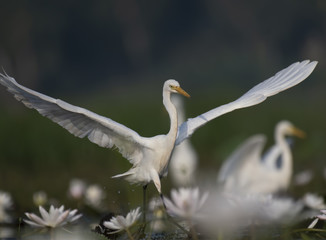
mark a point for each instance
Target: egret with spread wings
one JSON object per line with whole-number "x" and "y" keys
{"x": 247, "y": 170}
{"x": 149, "y": 156}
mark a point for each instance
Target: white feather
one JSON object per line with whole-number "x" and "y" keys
{"x": 247, "y": 170}
{"x": 286, "y": 78}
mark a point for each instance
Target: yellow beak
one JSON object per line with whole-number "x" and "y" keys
{"x": 181, "y": 91}
{"x": 298, "y": 133}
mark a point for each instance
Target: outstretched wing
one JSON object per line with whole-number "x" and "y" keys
{"x": 246, "y": 155}
{"x": 286, "y": 78}
{"x": 79, "y": 121}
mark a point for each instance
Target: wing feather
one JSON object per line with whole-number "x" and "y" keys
{"x": 286, "y": 78}
{"x": 79, "y": 121}
{"x": 248, "y": 152}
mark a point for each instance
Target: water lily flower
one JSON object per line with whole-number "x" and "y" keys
{"x": 5, "y": 204}
{"x": 263, "y": 209}
{"x": 314, "y": 201}
{"x": 56, "y": 217}
{"x": 77, "y": 188}
{"x": 303, "y": 178}
{"x": 186, "y": 202}
{"x": 155, "y": 203}
{"x": 281, "y": 210}
{"x": 40, "y": 198}
{"x": 318, "y": 217}
{"x": 120, "y": 223}
{"x": 94, "y": 195}
{"x": 157, "y": 209}
{"x": 5, "y": 200}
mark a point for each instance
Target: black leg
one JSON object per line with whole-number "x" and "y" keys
{"x": 144, "y": 203}
{"x": 161, "y": 195}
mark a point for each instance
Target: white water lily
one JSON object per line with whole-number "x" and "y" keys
{"x": 265, "y": 209}
{"x": 281, "y": 210}
{"x": 303, "y": 178}
{"x": 120, "y": 223}
{"x": 5, "y": 204}
{"x": 186, "y": 203}
{"x": 94, "y": 195}
{"x": 5, "y": 200}
{"x": 156, "y": 208}
{"x": 318, "y": 217}
{"x": 77, "y": 188}
{"x": 56, "y": 217}
{"x": 40, "y": 198}
{"x": 314, "y": 201}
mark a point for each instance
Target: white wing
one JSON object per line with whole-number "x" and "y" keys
{"x": 288, "y": 77}
{"x": 246, "y": 155}
{"x": 79, "y": 121}
{"x": 269, "y": 159}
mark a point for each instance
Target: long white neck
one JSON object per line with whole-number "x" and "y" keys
{"x": 170, "y": 108}
{"x": 177, "y": 101}
{"x": 287, "y": 165}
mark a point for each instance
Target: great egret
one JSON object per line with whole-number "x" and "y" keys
{"x": 149, "y": 156}
{"x": 247, "y": 171}
{"x": 184, "y": 158}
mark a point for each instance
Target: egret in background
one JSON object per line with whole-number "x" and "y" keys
{"x": 149, "y": 156}
{"x": 248, "y": 171}
{"x": 184, "y": 159}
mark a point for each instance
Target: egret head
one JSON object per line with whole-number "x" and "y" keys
{"x": 287, "y": 128}
{"x": 174, "y": 87}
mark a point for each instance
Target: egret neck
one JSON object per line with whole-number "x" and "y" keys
{"x": 170, "y": 108}
{"x": 286, "y": 157}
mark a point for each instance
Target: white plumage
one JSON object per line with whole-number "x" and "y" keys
{"x": 282, "y": 80}
{"x": 248, "y": 171}
{"x": 149, "y": 156}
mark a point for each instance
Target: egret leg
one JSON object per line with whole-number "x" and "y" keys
{"x": 144, "y": 203}
{"x": 161, "y": 195}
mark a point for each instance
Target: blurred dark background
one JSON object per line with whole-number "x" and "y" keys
{"x": 112, "y": 57}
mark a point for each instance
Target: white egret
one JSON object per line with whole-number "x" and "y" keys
{"x": 247, "y": 171}
{"x": 184, "y": 159}
{"x": 149, "y": 156}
